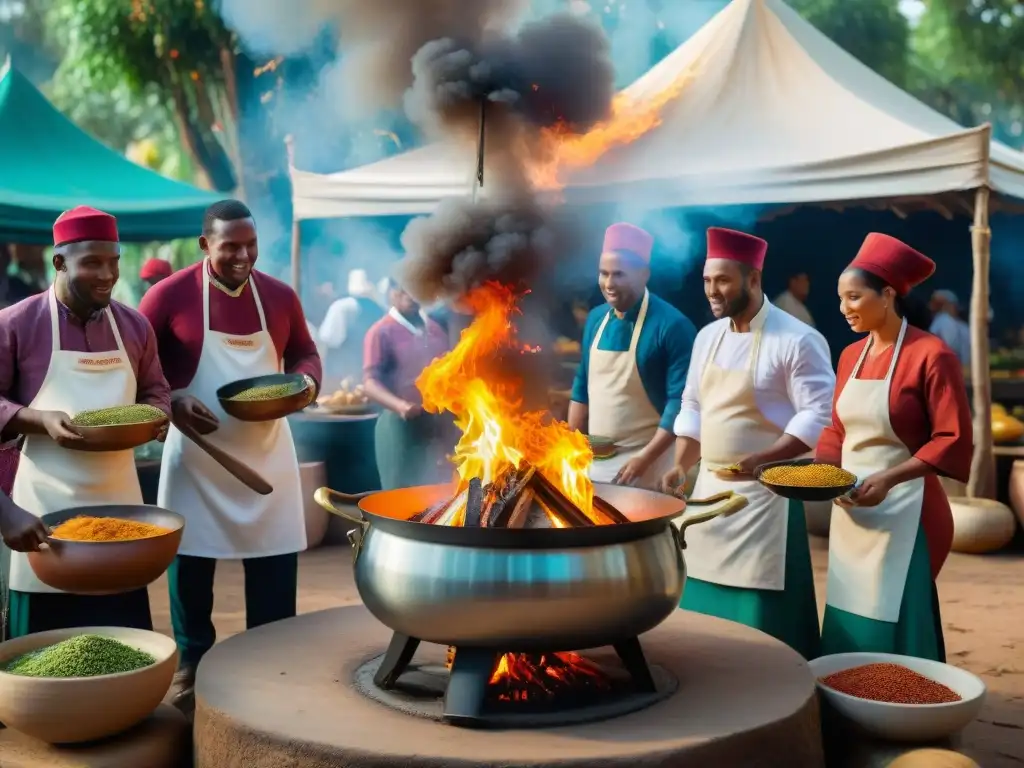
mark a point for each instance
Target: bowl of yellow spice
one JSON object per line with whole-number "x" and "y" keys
{"x": 266, "y": 398}
{"x": 120, "y": 428}
{"x": 70, "y": 686}
{"x": 805, "y": 480}
{"x": 107, "y": 550}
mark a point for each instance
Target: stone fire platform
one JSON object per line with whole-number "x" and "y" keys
{"x": 283, "y": 694}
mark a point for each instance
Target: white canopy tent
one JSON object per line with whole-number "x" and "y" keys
{"x": 766, "y": 110}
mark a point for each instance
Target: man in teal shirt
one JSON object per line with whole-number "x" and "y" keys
{"x": 636, "y": 353}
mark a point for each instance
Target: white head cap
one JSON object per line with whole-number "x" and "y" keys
{"x": 359, "y": 284}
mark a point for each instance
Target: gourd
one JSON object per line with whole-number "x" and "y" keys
{"x": 981, "y": 525}
{"x": 1005, "y": 428}
{"x": 933, "y": 758}
{"x": 1017, "y": 489}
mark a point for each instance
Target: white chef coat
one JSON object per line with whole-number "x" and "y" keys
{"x": 793, "y": 378}
{"x": 787, "y": 302}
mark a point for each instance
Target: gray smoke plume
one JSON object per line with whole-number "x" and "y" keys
{"x": 440, "y": 59}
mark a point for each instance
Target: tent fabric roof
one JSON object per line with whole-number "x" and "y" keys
{"x": 48, "y": 165}
{"x": 772, "y": 112}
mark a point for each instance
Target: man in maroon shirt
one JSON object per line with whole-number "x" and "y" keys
{"x": 411, "y": 446}
{"x": 64, "y": 351}
{"x": 216, "y": 322}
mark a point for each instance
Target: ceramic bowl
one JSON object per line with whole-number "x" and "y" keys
{"x": 108, "y": 567}
{"x": 76, "y": 709}
{"x": 917, "y": 723}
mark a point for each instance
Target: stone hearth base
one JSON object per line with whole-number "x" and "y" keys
{"x": 283, "y": 695}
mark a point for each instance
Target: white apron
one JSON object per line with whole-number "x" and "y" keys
{"x": 869, "y": 548}
{"x": 51, "y": 478}
{"x": 620, "y": 409}
{"x": 746, "y": 549}
{"x": 225, "y": 519}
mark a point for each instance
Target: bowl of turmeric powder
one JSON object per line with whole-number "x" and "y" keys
{"x": 805, "y": 480}
{"x": 107, "y": 550}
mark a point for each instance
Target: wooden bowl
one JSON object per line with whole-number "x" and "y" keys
{"x": 603, "y": 447}
{"x": 108, "y": 567}
{"x": 265, "y": 410}
{"x": 802, "y": 493}
{"x": 117, "y": 437}
{"x": 77, "y": 709}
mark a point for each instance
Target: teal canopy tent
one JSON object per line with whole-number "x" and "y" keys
{"x": 48, "y": 165}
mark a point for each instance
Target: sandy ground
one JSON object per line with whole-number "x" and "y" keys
{"x": 982, "y": 600}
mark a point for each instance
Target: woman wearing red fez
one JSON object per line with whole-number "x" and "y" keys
{"x": 67, "y": 350}
{"x": 900, "y": 419}
{"x": 219, "y": 321}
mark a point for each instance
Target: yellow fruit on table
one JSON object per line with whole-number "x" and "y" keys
{"x": 1006, "y": 429}
{"x": 998, "y": 410}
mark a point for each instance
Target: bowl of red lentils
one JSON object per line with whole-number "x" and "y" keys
{"x": 899, "y": 698}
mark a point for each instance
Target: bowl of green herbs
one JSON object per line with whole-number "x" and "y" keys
{"x": 68, "y": 686}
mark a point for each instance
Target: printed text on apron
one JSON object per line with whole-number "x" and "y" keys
{"x": 224, "y": 519}
{"x": 51, "y": 478}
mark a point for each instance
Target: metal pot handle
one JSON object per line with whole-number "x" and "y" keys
{"x": 733, "y": 502}
{"x": 323, "y": 497}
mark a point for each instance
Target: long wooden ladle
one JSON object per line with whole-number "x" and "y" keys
{"x": 245, "y": 475}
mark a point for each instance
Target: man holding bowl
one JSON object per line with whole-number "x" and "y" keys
{"x": 217, "y": 322}
{"x": 67, "y": 350}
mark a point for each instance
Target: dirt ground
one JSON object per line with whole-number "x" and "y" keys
{"x": 982, "y": 600}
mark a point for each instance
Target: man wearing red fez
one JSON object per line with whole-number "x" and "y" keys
{"x": 68, "y": 350}
{"x": 216, "y": 322}
{"x": 900, "y": 420}
{"x": 759, "y": 390}
{"x": 154, "y": 270}
{"x": 636, "y": 351}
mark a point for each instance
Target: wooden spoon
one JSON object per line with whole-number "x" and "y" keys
{"x": 244, "y": 474}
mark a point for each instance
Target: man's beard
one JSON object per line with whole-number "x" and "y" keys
{"x": 738, "y": 305}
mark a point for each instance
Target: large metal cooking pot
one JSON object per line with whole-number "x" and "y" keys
{"x": 521, "y": 589}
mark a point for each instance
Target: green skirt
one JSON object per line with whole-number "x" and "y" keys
{"x": 413, "y": 452}
{"x": 917, "y": 632}
{"x": 789, "y": 615}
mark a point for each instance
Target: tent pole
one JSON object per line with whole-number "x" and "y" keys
{"x": 296, "y": 256}
{"x": 982, "y": 480}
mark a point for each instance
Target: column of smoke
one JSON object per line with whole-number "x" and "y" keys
{"x": 442, "y": 58}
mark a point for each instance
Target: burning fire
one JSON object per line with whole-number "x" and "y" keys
{"x": 496, "y": 435}
{"x": 631, "y": 118}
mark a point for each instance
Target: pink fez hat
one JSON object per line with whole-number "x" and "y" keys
{"x": 626, "y": 237}
{"x": 84, "y": 223}
{"x": 736, "y": 246}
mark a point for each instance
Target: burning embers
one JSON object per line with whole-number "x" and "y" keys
{"x": 520, "y": 498}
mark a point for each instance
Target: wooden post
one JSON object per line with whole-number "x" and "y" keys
{"x": 296, "y": 259}
{"x": 982, "y": 483}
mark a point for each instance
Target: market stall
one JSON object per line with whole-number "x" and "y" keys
{"x": 829, "y": 130}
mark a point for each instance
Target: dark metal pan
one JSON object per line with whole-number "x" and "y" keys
{"x": 802, "y": 493}
{"x": 265, "y": 410}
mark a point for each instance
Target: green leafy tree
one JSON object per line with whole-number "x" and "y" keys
{"x": 174, "y": 55}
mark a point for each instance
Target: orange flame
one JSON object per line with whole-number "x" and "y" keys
{"x": 631, "y": 119}
{"x": 496, "y": 435}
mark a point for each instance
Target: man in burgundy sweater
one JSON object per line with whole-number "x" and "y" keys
{"x": 216, "y": 322}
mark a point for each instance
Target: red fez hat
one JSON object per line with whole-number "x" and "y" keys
{"x": 736, "y": 246}
{"x": 893, "y": 261}
{"x": 626, "y": 237}
{"x": 155, "y": 268}
{"x": 84, "y": 223}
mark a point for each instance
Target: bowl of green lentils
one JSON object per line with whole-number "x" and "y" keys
{"x": 266, "y": 398}
{"x": 121, "y": 428}
{"x": 69, "y": 686}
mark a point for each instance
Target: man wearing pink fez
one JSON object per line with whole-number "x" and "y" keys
{"x": 64, "y": 351}
{"x": 636, "y": 352}
{"x": 759, "y": 390}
